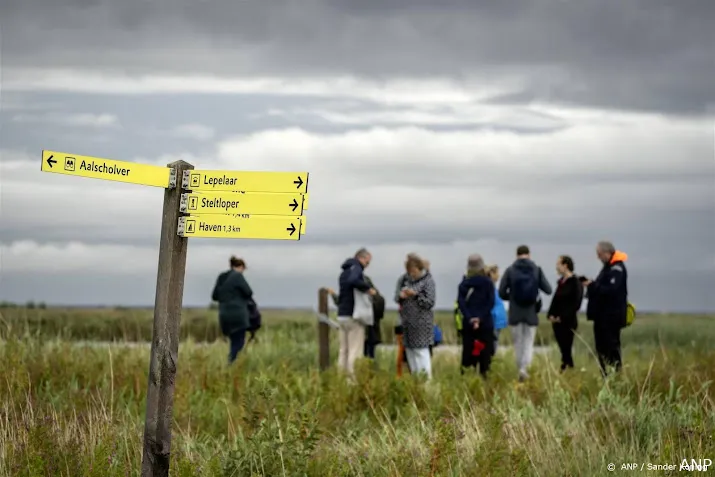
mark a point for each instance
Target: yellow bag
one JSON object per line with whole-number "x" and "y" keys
{"x": 630, "y": 314}
{"x": 457, "y": 318}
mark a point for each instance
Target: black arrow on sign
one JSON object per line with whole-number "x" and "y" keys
{"x": 294, "y": 204}
{"x": 291, "y": 229}
{"x": 298, "y": 183}
{"x": 50, "y": 161}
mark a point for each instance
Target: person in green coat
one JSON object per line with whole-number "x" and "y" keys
{"x": 232, "y": 293}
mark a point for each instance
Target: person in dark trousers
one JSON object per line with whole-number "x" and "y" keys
{"x": 520, "y": 285}
{"x": 563, "y": 311}
{"x": 475, "y": 298}
{"x": 607, "y": 304}
{"x": 233, "y": 293}
{"x": 373, "y": 334}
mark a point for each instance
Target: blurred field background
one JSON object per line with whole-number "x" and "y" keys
{"x": 71, "y": 403}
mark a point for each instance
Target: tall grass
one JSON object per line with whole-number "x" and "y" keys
{"x": 74, "y": 409}
{"x": 122, "y": 324}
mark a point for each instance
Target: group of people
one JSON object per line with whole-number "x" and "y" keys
{"x": 480, "y": 313}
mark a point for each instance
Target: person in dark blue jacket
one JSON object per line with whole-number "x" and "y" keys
{"x": 607, "y": 304}
{"x": 233, "y": 294}
{"x": 352, "y": 331}
{"x": 475, "y": 298}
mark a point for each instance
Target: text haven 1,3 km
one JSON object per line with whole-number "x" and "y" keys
{"x": 107, "y": 169}
{"x": 264, "y": 227}
{"x": 248, "y": 181}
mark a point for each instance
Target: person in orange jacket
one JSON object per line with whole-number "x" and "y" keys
{"x": 607, "y": 305}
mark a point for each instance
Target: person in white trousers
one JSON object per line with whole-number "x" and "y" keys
{"x": 352, "y": 331}
{"x": 417, "y": 316}
{"x": 520, "y": 285}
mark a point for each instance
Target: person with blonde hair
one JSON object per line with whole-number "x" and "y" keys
{"x": 475, "y": 298}
{"x": 418, "y": 298}
{"x": 499, "y": 311}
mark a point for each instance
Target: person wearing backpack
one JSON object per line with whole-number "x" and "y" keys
{"x": 520, "y": 286}
{"x": 608, "y": 305}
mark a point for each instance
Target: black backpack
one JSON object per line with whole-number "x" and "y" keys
{"x": 378, "y": 307}
{"x": 254, "y": 316}
{"x": 525, "y": 285}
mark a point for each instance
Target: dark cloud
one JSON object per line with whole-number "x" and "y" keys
{"x": 645, "y": 54}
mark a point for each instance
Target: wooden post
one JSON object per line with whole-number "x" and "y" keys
{"x": 165, "y": 334}
{"x": 323, "y": 331}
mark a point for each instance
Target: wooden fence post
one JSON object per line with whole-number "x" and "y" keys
{"x": 165, "y": 334}
{"x": 323, "y": 331}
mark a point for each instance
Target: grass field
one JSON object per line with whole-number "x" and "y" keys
{"x": 67, "y": 408}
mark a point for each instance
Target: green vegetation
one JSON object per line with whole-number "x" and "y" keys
{"x": 201, "y": 325}
{"x": 75, "y": 409}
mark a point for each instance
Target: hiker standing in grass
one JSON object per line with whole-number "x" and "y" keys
{"x": 418, "y": 298}
{"x": 373, "y": 333}
{"x": 233, "y": 294}
{"x": 520, "y": 285}
{"x": 352, "y": 330}
{"x": 399, "y": 329}
{"x": 607, "y": 305}
{"x": 563, "y": 311}
{"x": 499, "y": 311}
{"x": 475, "y": 298}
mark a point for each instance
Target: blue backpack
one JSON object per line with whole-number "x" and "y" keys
{"x": 437, "y": 335}
{"x": 524, "y": 285}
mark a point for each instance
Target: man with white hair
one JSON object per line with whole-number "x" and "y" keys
{"x": 352, "y": 331}
{"x": 607, "y": 304}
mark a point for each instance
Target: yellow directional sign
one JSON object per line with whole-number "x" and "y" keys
{"x": 306, "y": 195}
{"x": 247, "y": 181}
{"x": 254, "y": 203}
{"x": 107, "y": 169}
{"x": 265, "y": 227}
{"x": 302, "y": 219}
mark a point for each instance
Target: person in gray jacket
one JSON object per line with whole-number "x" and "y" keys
{"x": 520, "y": 285}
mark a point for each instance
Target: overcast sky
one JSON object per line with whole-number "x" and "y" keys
{"x": 444, "y": 128}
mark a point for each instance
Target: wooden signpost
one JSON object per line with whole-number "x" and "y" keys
{"x": 323, "y": 331}
{"x": 219, "y": 204}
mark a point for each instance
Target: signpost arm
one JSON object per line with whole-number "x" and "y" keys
{"x": 323, "y": 331}
{"x": 165, "y": 335}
